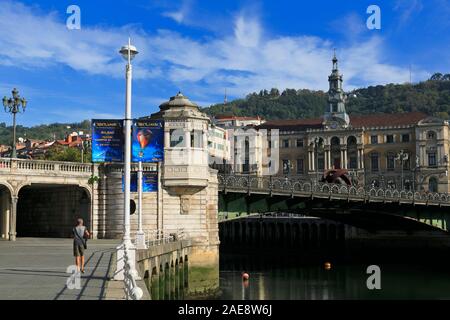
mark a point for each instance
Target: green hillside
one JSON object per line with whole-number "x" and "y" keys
{"x": 42, "y": 132}
{"x": 431, "y": 96}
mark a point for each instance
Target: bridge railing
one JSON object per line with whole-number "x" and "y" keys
{"x": 297, "y": 187}
{"x": 132, "y": 291}
{"x": 43, "y": 166}
{"x": 159, "y": 237}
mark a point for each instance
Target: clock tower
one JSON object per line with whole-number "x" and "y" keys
{"x": 336, "y": 116}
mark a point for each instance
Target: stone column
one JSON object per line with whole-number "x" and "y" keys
{"x": 187, "y": 138}
{"x": 166, "y": 138}
{"x": 422, "y": 155}
{"x": 344, "y": 164}
{"x": 13, "y": 218}
{"x": 326, "y": 154}
{"x": 310, "y": 167}
{"x": 360, "y": 159}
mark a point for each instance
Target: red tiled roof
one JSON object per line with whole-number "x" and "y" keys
{"x": 231, "y": 117}
{"x": 373, "y": 120}
{"x": 387, "y": 119}
{"x": 294, "y": 124}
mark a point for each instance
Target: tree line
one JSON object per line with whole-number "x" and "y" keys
{"x": 431, "y": 97}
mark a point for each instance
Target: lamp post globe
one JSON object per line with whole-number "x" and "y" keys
{"x": 128, "y": 52}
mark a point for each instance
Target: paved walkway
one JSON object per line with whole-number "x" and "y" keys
{"x": 35, "y": 269}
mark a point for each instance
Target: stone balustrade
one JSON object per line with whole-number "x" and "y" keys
{"x": 18, "y": 166}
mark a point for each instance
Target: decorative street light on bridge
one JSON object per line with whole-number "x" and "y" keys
{"x": 402, "y": 156}
{"x": 12, "y": 105}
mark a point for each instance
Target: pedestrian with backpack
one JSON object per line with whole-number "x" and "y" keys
{"x": 80, "y": 236}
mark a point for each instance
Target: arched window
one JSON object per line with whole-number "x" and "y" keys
{"x": 433, "y": 184}
{"x": 336, "y": 152}
{"x": 431, "y": 135}
{"x": 374, "y": 163}
{"x": 321, "y": 155}
{"x": 390, "y": 161}
{"x": 352, "y": 152}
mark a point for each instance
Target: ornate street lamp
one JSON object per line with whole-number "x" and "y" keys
{"x": 402, "y": 156}
{"x": 13, "y": 105}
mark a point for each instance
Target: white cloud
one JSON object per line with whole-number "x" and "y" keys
{"x": 31, "y": 39}
{"x": 180, "y": 15}
{"x": 245, "y": 60}
{"x": 407, "y": 9}
{"x": 247, "y": 32}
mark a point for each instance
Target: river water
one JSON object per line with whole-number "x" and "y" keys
{"x": 307, "y": 278}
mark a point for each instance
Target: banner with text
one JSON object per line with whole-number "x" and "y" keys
{"x": 149, "y": 181}
{"x": 107, "y": 140}
{"x": 147, "y": 144}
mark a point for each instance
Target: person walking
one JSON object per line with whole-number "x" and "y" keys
{"x": 80, "y": 235}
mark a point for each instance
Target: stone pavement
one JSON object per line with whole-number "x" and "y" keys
{"x": 35, "y": 269}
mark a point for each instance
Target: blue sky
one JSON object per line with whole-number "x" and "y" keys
{"x": 205, "y": 47}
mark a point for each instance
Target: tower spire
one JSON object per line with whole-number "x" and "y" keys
{"x": 335, "y": 60}
{"x": 336, "y": 97}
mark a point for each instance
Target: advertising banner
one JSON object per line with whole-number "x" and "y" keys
{"x": 149, "y": 181}
{"x": 147, "y": 144}
{"x": 107, "y": 140}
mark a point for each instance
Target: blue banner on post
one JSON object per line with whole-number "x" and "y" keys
{"x": 149, "y": 181}
{"x": 147, "y": 144}
{"x": 107, "y": 140}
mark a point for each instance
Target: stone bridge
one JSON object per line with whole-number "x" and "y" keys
{"x": 18, "y": 175}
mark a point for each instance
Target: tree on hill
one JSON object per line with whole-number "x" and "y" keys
{"x": 431, "y": 97}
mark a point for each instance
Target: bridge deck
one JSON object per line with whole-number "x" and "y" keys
{"x": 35, "y": 269}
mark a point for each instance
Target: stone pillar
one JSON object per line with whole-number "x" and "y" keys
{"x": 362, "y": 158}
{"x": 313, "y": 161}
{"x": 359, "y": 159}
{"x": 13, "y": 218}
{"x": 166, "y": 138}
{"x": 422, "y": 155}
{"x": 187, "y": 138}
{"x": 327, "y": 157}
{"x": 344, "y": 164}
{"x": 205, "y": 139}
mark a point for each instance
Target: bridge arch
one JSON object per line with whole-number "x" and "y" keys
{"x": 50, "y": 210}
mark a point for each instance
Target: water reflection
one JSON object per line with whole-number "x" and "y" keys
{"x": 299, "y": 280}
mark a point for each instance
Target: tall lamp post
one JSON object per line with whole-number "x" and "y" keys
{"x": 12, "y": 105}
{"x": 402, "y": 156}
{"x": 128, "y": 52}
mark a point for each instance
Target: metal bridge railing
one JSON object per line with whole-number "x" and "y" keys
{"x": 159, "y": 237}
{"x": 132, "y": 291}
{"x": 293, "y": 186}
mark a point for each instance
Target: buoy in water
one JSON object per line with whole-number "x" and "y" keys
{"x": 327, "y": 265}
{"x": 245, "y": 276}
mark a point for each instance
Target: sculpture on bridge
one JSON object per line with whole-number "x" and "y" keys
{"x": 338, "y": 176}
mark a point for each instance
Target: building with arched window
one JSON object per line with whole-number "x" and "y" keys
{"x": 405, "y": 150}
